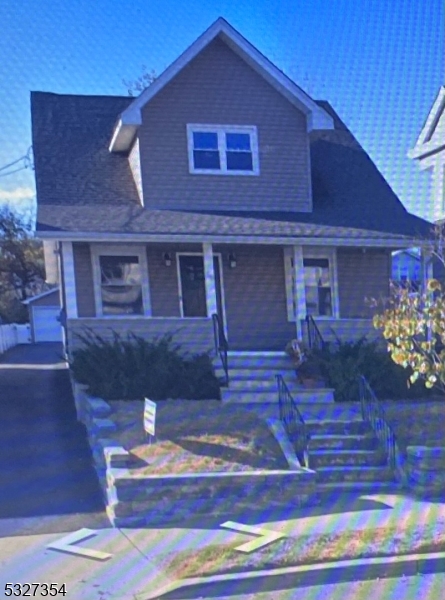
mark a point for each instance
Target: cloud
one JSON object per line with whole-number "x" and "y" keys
{"x": 17, "y": 194}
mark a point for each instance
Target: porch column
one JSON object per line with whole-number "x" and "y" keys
{"x": 299, "y": 289}
{"x": 69, "y": 279}
{"x": 426, "y": 267}
{"x": 209, "y": 274}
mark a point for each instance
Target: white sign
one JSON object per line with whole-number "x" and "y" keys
{"x": 66, "y": 545}
{"x": 149, "y": 416}
{"x": 266, "y": 536}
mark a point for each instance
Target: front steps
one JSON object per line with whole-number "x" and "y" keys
{"x": 252, "y": 379}
{"x": 346, "y": 455}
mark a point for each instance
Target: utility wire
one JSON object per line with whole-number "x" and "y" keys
{"x": 27, "y": 162}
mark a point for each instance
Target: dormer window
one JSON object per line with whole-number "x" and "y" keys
{"x": 223, "y": 149}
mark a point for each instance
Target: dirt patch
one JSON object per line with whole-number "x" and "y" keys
{"x": 307, "y": 549}
{"x": 196, "y": 437}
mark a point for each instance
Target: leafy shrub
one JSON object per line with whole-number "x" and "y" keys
{"x": 342, "y": 363}
{"x": 132, "y": 368}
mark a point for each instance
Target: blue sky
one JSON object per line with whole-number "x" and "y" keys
{"x": 379, "y": 62}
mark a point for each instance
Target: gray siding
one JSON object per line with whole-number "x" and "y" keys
{"x": 345, "y": 329}
{"x": 217, "y": 87}
{"x": 84, "y": 280}
{"x": 135, "y": 166}
{"x": 194, "y": 335}
{"x": 255, "y": 297}
{"x": 164, "y": 292}
{"x": 361, "y": 275}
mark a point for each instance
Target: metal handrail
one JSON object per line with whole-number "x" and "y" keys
{"x": 315, "y": 339}
{"x": 293, "y": 421}
{"x": 373, "y": 413}
{"x": 221, "y": 345}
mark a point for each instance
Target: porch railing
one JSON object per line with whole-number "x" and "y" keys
{"x": 373, "y": 413}
{"x": 293, "y": 421}
{"x": 221, "y": 345}
{"x": 315, "y": 339}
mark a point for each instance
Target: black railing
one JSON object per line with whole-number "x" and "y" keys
{"x": 221, "y": 345}
{"x": 373, "y": 413}
{"x": 315, "y": 339}
{"x": 293, "y": 421}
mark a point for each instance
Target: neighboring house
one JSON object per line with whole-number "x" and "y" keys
{"x": 44, "y": 316}
{"x": 429, "y": 152}
{"x": 222, "y": 189}
{"x": 407, "y": 267}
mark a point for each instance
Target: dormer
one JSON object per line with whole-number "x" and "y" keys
{"x": 221, "y": 128}
{"x": 429, "y": 151}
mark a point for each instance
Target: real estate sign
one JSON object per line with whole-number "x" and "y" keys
{"x": 149, "y": 416}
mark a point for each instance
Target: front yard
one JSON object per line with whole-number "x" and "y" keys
{"x": 196, "y": 437}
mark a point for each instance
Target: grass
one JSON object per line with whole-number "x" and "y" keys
{"x": 307, "y": 549}
{"x": 417, "y": 423}
{"x": 197, "y": 437}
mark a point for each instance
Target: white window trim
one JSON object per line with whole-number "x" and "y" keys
{"x": 97, "y": 251}
{"x": 331, "y": 255}
{"x": 220, "y": 130}
{"x": 223, "y": 297}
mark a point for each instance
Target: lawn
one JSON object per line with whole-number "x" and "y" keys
{"x": 417, "y": 423}
{"x": 308, "y": 549}
{"x": 197, "y": 437}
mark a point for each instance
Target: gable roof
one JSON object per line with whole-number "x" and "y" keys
{"x": 131, "y": 119}
{"x": 41, "y": 295}
{"x": 425, "y": 144}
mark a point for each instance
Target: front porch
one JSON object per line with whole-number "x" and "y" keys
{"x": 261, "y": 293}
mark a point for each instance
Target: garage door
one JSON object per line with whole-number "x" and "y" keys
{"x": 46, "y": 326}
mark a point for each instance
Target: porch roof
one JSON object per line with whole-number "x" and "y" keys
{"x": 128, "y": 222}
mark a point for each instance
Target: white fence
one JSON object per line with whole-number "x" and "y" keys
{"x": 13, "y": 334}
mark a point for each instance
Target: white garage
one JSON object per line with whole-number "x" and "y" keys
{"x": 44, "y": 314}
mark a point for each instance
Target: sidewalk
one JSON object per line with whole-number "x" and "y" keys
{"x": 133, "y": 570}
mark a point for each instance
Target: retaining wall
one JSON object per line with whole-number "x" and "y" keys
{"x": 136, "y": 499}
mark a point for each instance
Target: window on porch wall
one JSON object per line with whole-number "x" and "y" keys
{"x": 121, "y": 285}
{"x": 317, "y": 281}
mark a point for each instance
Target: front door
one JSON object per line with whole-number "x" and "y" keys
{"x": 193, "y": 292}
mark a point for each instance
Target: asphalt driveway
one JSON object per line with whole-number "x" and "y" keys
{"x": 45, "y": 461}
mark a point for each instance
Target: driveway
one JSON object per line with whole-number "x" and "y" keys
{"x": 45, "y": 461}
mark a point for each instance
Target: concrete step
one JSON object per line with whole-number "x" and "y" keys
{"x": 287, "y": 374}
{"x": 337, "y": 427}
{"x": 243, "y": 396}
{"x": 366, "y": 441}
{"x": 365, "y": 487}
{"x": 354, "y": 474}
{"x": 258, "y": 361}
{"x": 331, "y": 458}
{"x": 266, "y": 384}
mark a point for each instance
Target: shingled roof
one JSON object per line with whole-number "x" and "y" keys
{"x": 82, "y": 187}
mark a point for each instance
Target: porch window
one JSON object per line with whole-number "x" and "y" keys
{"x": 223, "y": 149}
{"x": 317, "y": 281}
{"x": 121, "y": 285}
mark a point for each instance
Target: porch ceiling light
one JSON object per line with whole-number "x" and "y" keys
{"x": 232, "y": 260}
{"x": 168, "y": 259}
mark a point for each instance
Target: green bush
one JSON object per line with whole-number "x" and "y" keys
{"x": 341, "y": 364}
{"x": 133, "y": 368}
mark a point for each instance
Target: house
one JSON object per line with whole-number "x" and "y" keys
{"x": 429, "y": 153}
{"x": 223, "y": 189}
{"x": 407, "y": 267}
{"x": 44, "y": 316}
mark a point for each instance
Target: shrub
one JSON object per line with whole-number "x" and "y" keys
{"x": 132, "y": 368}
{"x": 342, "y": 363}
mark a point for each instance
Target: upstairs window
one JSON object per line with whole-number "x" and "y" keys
{"x": 223, "y": 149}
